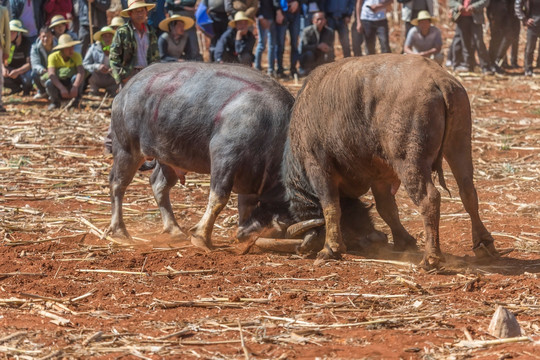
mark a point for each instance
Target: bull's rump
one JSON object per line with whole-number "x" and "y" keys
{"x": 364, "y": 116}
{"x": 183, "y": 113}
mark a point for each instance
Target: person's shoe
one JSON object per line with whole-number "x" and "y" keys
{"x": 280, "y": 74}
{"x": 499, "y": 70}
{"x": 2, "y": 109}
{"x": 40, "y": 95}
{"x": 487, "y": 71}
{"x": 53, "y": 106}
{"x": 528, "y": 73}
{"x": 461, "y": 69}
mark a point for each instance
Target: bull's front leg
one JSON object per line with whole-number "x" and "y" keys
{"x": 202, "y": 232}
{"x": 162, "y": 180}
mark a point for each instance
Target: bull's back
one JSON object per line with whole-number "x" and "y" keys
{"x": 177, "y": 111}
{"x": 371, "y": 105}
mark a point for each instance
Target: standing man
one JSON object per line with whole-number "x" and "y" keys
{"x": 469, "y": 15}
{"x": 99, "y": 19}
{"x": 220, "y": 20}
{"x": 134, "y": 47}
{"x": 266, "y": 32}
{"x": 371, "y": 20}
{"x": 528, "y": 11}
{"x": 317, "y": 45}
{"x": 288, "y": 19}
{"x": 31, "y": 15}
{"x": 338, "y": 14}
{"x": 5, "y": 42}
{"x": 135, "y": 44}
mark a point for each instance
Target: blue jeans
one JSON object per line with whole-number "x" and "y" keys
{"x": 338, "y": 24}
{"x": 36, "y": 78}
{"x": 54, "y": 93}
{"x": 264, "y": 36}
{"x": 291, "y": 23}
{"x": 374, "y": 30}
{"x": 21, "y": 83}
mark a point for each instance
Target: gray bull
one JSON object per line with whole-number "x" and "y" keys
{"x": 229, "y": 121}
{"x": 373, "y": 123}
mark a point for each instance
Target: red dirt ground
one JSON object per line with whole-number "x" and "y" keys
{"x": 177, "y": 302}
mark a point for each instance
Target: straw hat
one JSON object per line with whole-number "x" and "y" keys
{"x": 57, "y": 20}
{"x": 65, "y": 41}
{"x": 117, "y": 21}
{"x": 104, "y": 30}
{"x": 136, "y": 4}
{"x": 16, "y": 25}
{"x": 188, "y": 22}
{"x": 423, "y": 15}
{"x": 239, "y": 16}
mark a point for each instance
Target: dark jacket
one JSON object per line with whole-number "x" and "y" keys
{"x": 99, "y": 12}
{"x": 228, "y": 43}
{"x": 478, "y": 9}
{"x": 248, "y": 6}
{"x": 523, "y": 9}
{"x": 16, "y": 8}
{"x": 311, "y": 38}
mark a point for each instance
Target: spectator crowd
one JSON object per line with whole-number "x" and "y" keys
{"x": 57, "y": 49}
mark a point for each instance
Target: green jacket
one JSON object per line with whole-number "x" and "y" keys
{"x": 123, "y": 54}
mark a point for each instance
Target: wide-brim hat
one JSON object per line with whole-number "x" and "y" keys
{"x": 16, "y": 25}
{"x": 188, "y": 22}
{"x": 136, "y": 4}
{"x": 117, "y": 21}
{"x": 239, "y": 16}
{"x": 104, "y": 30}
{"x": 65, "y": 41}
{"x": 423, "y": 15}
{"x": 57, "y": 20}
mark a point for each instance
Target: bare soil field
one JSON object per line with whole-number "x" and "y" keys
{"x": 67, "y": 293}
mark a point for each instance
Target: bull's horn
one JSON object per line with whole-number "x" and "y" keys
{"x": 303, "y": 226}
{"x": 278, "y": 245}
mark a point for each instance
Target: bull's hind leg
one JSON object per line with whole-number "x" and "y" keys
{"x": 417, "y": 181}
{"x": 124, "y": 167}
{"x": 460, "y": 161}
{"x": 162, "y": 180}
{"x": 385, "y": 202}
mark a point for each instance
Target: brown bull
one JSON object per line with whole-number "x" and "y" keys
{"x": 376, "y": 122}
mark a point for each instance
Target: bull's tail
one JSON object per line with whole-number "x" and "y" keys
{"x": 445, "y": 88}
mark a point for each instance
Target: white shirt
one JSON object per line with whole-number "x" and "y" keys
{"x": 368, "y": 14}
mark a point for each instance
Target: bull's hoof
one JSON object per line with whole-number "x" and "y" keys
{"x": 310, "y": 245}
{"x": 174, "y": 232}
{"x": 432, "y": 261}
{"x": 405, "y": 243}
{"x": 201, "y": 243}
{"x": 326, "y": 254}
{"x": 486, "y": 253}
{"x": 118, "y": 232}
